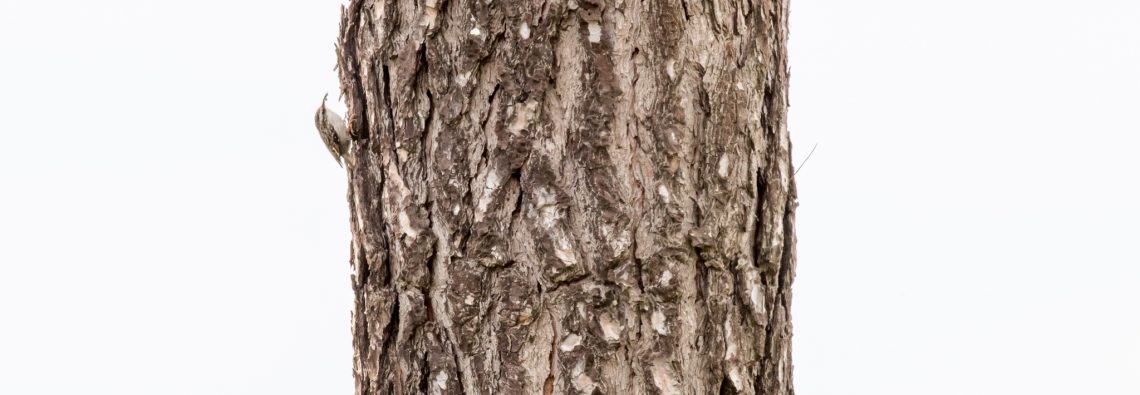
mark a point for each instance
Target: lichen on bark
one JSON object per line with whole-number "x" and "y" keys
{"x": 569, "y": 196}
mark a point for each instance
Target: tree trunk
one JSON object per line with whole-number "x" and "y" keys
{"x": 569, "y": 196}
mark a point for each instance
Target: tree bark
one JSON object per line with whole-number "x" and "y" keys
{"x": 570, "y": 196}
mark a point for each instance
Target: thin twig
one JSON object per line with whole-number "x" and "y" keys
{"x": 805, "y": 159}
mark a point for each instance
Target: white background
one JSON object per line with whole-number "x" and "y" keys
{"x": 171, "y": 224}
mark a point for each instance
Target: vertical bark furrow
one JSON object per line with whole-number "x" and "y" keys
{"x": 589, "y": 196}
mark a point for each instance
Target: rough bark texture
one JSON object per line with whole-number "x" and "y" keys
{"x": 554, "y": 196}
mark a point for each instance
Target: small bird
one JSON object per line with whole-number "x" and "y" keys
{"x": 333, "y": 132}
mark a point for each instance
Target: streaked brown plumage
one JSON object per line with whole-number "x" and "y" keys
{"x": 333, "y": 132}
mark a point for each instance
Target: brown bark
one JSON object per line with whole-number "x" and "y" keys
{"x": 569, "y": 196}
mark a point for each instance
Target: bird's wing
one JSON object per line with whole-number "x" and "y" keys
{"x": 337, "y": 122}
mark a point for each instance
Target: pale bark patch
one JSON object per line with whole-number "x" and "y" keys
{"x": 548, "y": 207}
{"x": 523, "y": 115}
{"x": 441, "y": 380}
{"x": 582, "y": 382}
{"x": 659, "y": 324}
{"x": 595, "y": 32}
{"x": 491, "y": 184}
{"x": 611, "y": 329}
{"x": 663, "y": 378}
{"x": 564, "y": 249}
{"x": 430, "y": 12}
{"x": 406, "y": 225}
{"x": 462, "y": 78}
{"x": 570, "y": 342}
